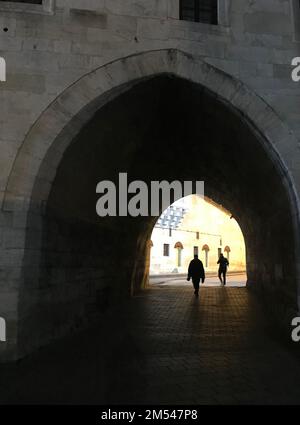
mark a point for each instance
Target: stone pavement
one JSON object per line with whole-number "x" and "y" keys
{"x": 165, "y": 347}
{"x": 233, "y": 279}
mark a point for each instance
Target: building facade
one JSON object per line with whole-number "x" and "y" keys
{"x": 162, "y": 89}
{"x": 205, "y": 230}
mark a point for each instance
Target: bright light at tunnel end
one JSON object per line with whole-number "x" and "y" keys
{"x": 141, "y": 199}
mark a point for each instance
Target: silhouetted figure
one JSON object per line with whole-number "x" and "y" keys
{"x": 223, "y": 264}
{"x": 197, "y": 273}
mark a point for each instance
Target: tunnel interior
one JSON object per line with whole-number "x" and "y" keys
{"x": 164, "y": 128}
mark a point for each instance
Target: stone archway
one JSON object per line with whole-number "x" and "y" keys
{"x": 37, "y": 166}
{"x": 62, "y": 120}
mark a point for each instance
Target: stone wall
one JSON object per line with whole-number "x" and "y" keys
{"x": 49, "y": 47}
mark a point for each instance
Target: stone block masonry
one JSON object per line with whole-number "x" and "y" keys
{"x": 68, "y": 61}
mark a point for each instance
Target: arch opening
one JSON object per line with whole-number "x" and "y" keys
{"x": 204, "y": 229}
{"x": 163, "y": 128}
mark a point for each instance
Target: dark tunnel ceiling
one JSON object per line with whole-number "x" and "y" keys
{"x": 172, "y": 129}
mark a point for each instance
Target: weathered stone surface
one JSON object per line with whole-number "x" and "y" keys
{"x": 65, "y": 64}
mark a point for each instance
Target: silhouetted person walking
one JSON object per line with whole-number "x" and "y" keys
{"x": 223, "y": 264}
{"x": 196, "y": 272}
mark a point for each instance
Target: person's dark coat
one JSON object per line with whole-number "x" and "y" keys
{"x": 223, "y": 264}
{"x": 196, "y": 270}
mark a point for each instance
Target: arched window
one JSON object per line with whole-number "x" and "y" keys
{"x": 206, "y": 249}
{"x": 227, "y": 250}
{"x": 179, "y": 248}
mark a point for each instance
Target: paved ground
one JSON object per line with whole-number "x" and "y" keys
{"x": 233, "y": 280}
{"x": 165, "y": 347}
